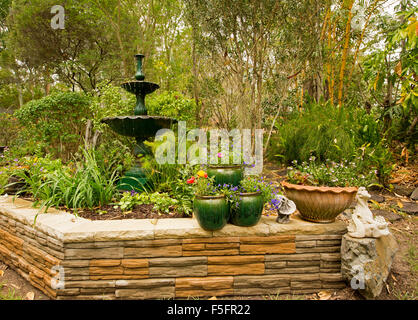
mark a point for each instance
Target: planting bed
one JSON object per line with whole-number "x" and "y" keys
{"x": 167, "y": 258}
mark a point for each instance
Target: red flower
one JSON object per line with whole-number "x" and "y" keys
{"x": 191, "y": 180}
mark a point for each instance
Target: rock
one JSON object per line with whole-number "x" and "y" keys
{"x": 389, "y": 215}
{"x": 402, "y": 190}
{"x": 15, "y": 185}
{"x": 409, "y": 207}
{"x": 366, "y": 263}
{"x": 282, "y": 173}
{"x": 377, "y": 197}
{"x": 414, "y": 195}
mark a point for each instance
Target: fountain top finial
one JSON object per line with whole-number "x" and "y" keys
{"x": 139, "y": 75}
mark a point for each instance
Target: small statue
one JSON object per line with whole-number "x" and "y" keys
{"x": 362, "y": 223}
{"x": 285, "y": 208}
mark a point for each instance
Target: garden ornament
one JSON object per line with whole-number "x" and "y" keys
{"x": 362, "y": 223}
{"x": 285, "y": 208}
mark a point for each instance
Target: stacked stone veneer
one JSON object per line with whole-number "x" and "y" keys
{"x": 167, "y": 258}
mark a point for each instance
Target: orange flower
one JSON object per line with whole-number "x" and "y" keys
{"x": 202, "y": 174}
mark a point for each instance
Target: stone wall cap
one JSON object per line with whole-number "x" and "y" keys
{"x": 69, "y": 228}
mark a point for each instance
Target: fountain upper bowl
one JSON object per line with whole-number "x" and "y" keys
{"x": 140, "y": 87}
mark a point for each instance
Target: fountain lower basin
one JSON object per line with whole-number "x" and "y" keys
{"x": 142, "y": 127}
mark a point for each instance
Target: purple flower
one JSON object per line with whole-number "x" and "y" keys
{"x": 133, "y": 192}
{"x": 16, "y": 160}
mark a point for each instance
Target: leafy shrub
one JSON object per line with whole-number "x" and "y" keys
{"x": 318, "y": 131}
{"x": 172, "y": 104}
{"x": 329, "y": 133}
{"x": 54, "y": 124}
{"x": 111, "y": 101}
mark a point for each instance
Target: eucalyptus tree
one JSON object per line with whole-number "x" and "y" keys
{"x": 80, "y": 54}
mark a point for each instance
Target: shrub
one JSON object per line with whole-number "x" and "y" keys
{"x": 54, "y": 124}
{"x": 320, "y": 131}
{"x": 172, "y": 104}
{"x": 330, "y": 133}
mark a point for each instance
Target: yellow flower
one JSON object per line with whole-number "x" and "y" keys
{"x": 202, "y": 174}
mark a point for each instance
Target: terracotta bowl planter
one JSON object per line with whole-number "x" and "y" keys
{"x": 320, "y": 204}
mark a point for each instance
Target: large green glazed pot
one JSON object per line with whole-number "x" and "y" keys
{"x": 226, "y": 174}
{"x": 211, "y": 212}
{"x": 249, "y": 210}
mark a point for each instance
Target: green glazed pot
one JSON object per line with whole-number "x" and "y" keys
{"x": 229, "y": 174}
{"x": 211, "y": 212}
{"x": 249, "y": 210}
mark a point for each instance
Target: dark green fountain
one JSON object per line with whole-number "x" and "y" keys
{"x": 141, "y": 126}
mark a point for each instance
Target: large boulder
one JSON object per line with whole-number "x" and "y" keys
{"x": 366, "y": 262}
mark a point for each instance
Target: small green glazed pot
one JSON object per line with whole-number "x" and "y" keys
{"x": 249, "y": 210}
{"x": 211, "y": 212}
{"x": 229, "y": 174}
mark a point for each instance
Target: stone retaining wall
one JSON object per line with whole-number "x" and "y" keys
{"x": 167, "y": 258}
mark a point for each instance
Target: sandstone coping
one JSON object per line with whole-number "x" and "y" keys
{"x": 68, "y": 228}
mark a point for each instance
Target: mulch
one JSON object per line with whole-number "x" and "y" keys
{"x": 108, "y": 212}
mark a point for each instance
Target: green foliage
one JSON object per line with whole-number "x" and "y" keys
{"x": 378, "y": 158}
{"x": 111, "y": 101}
{"x": 331, "y": 134}
{"x": 10, "y": 295}
{"x": 54, "y": 124}
{"x": 331, "y": 174}
{"x": 8, "y": 129}
{"x": 171, "y": 179}
{"x": 204, "y": 186}
{"x": 161, "y": 202}
{"x": 115, "y": 155}
{"x": 174, "y": 105}
{"x": 250, "y": 184}
{"x": 391, "y": 74}
{"x": 258, "y": 184}
{"x": 3, "y": 181}
{"x": 79, "y": 53}
{"x": 84, "y": 184}
{"x": 323, "y": 131}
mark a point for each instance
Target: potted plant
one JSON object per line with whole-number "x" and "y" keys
{"x": 210, "y": 207}
{"x": 230, "y": 173}
{"x": 247, "y": 200}
{"x": 322, "y": 191}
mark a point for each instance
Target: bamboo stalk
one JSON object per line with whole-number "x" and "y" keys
{"x": 332, "y": 80}
{"x": 325, "y": 23}
{"x": 345, "y": 50}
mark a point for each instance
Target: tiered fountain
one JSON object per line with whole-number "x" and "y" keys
{"x": 140, "y": 125}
